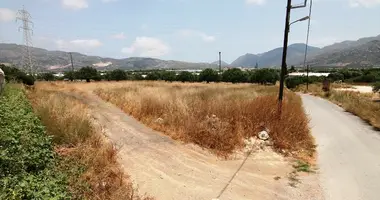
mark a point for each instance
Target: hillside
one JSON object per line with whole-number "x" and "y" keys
{"x": 366, "y": 54}
{"x": 59, "y": 60}
{"x": 273, "y": 57}
{"x": 224, "y": 64}
{"x": 348, "y": 44}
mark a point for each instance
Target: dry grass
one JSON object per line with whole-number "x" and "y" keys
{"x": 214, "y": 116}
{"x": 360, "y": 104}
{"x": 87, "y": 157}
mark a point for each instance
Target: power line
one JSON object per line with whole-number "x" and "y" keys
{"x": 27, "y": 29}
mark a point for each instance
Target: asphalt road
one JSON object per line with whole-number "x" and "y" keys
{"x": 348, "y": 152}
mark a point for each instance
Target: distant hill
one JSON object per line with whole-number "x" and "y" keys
{"x": 358, "y": 54}
{"x": 224, "y": 64}
{"x": 347, "y": 44}
{"x": 273, "y": 57}
{"x": 60, "y": 60}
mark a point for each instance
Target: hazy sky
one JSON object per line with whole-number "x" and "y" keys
{"x": 188, "y": 30}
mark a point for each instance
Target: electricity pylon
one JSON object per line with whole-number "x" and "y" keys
{"x": 27, "y": 29}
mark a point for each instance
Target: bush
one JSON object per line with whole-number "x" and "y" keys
{"x": 264, "y": 76}
{"x": 87, "y": 73}
{"x": 117, "y": 75}
{"x": 27, "y": 160}
{"x": 209, "y": 75}
{"x": 336, "y": 76}
{"x": 234, "y": 75}
{"x": 168, "y": 76}
{"x": 153, "y": 76}
{"x": 186, "y": 76}
{"x": 293, "y": 82}
{"x": 46, "y": 76}
{"x": 376, "y": 87}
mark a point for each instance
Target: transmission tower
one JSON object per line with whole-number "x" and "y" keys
{"x": 27, "y": 29}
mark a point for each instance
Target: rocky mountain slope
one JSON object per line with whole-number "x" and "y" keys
{"x": 59, "y": 60}
{"x": 273, "y": 58}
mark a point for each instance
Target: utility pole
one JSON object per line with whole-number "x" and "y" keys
{"x": 72, "y": 67}
{"x": 284, "y": 53}
{"x": 289, "y": 7}
{"x": 27, "y": 24}
{"x": 307, "y": 46}
{"x": 220, "y": 62}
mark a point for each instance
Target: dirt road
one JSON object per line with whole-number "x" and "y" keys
{"x": 167, "y": 169}
{"x": 349, "y": 152}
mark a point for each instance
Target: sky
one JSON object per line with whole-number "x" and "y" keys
{"x": 185, "y": 30}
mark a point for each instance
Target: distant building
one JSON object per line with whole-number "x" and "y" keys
{"x": 310, "y": 74}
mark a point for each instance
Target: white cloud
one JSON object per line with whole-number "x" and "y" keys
{"x": 257, "y": 2}
{"x": 194, "y": 33}
{"x": 78, "y": 45}
{"x": 75, "y": 4}
{"x": 365, "y": 3}
{"x": 147, "y": 47}
{"x": 7, "y": 15}
{"x": 119, "y": 36}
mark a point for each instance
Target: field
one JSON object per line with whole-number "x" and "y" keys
{"x": 214, "y": 116}
{"x": 360, "y": 104}
{"x": 55, "y": 151}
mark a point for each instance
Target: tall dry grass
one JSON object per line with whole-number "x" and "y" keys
{"x": 87, "y": 157}
{"x": 214, "y": 116}
{"x": 360, "y": 104}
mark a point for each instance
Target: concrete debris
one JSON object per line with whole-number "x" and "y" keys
{"x": 159, "y": 120}
{"x": 263, "y": 135}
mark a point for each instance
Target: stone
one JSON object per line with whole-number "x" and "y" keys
{"x": 159, "y": 120}
{"x": 263, "y": 135}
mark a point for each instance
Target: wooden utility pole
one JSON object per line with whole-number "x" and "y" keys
{"x": 220, "y": 62}
{"x": 284, "y": 53}
{"x": 72, "y": 67}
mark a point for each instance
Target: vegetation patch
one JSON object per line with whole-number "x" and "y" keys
{"x": 28, "y": 164}
{"x": 87, "y": 158}
{"x": 214, "y": 116}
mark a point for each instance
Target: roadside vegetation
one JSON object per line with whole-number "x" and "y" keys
{"x": 55, "y": 152}
{"x": 214, "y": 116}
{"x": 357, "y": 103}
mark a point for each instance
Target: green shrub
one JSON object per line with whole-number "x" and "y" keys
{"x": 264, "y": 76}
{"x": 234, "y": 75}
{"x": 209, "y": 75}
{"x": 186, "y": 76}
{"x": 376, "y": 87}
{"x": 27, "y": 160}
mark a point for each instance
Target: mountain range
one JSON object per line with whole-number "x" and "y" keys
{"x": 59, "y": 60}
{"x": 362, "y": 52}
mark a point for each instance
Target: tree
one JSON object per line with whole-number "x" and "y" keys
{"x": 14, "y": 74}
{"x": 70, "y": 75}
{"x": 186, "y": 76}
{"x": 292, "y": 69}
{"x": 264, "y": 76}
{"x": 209, "y": 75}
{"x": 234, "y": 75}
{"x": 117, "y": 75}
{"x": 46, "y": 76}
{"x": 153, "y": 76}
{"x": 376, "y": 87}
{"x": 168, "y": 76}
{"x": 336, "y": 76}
{"x": 88, "y": 73}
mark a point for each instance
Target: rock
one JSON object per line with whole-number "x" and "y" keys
{"x": 263, "y": 135}
{"x": 159, "y": 120}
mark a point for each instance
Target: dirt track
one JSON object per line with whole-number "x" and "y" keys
{"x": 167, "y": 169}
